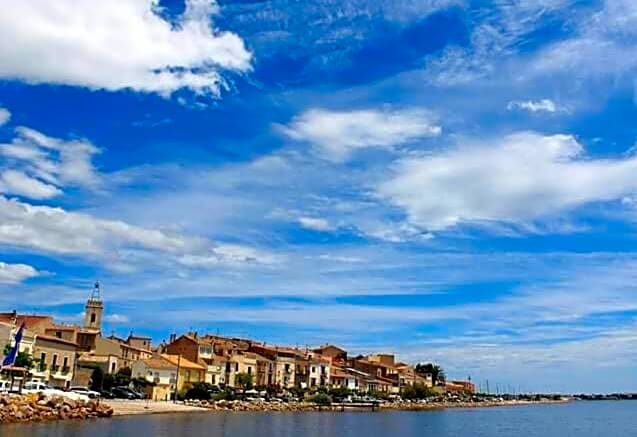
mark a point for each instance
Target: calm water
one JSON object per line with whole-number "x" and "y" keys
{"x": 581, "y": 419}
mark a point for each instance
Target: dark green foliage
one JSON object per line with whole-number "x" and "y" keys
{"x": 437, "y": 373}
{"x": 321, "y": 399}
{"x": 225, "y": 395}
{"x": 244, "y": 380}
{"x": 417, "y": 391}
{"x": 200, "y": 390}
{"x": 339, "y": 393}
{"x": 97, "y": 379}
{"x": 122, "y": 377}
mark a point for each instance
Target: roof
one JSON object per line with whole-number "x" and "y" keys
{"x": 182, "y": 362}
{"x": 63, "y": 328}
{"x": 159, "y": 363}
{"x": 28, "y": 320}
{"x": 55, "y": 340}
{"x": 139, "y": 337}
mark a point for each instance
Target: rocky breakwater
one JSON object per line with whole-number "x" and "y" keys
{"x": 257, "y": 406}
{"x": 39, "y": 408}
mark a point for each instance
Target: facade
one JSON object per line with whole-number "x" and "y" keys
{"x": 161, "y": 373}
{"x": 335, "y": 354}
{"x": 55, "y": 361}
{"x": 139, "y": 342}
{"x": 188, "y": 372}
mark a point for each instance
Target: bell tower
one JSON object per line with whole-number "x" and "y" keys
{"x": 94, "y": 309}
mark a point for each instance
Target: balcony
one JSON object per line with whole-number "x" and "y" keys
{"x": 55, "y": 368}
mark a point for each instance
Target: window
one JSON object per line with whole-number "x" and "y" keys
{"x": 55, "y": 360}
{"x": 65, "y": 364}
{"x": 249, "y": 370}
{"x": 112, "y": 367}
{"x": 92, "y": 317}
{"x": 58, "y": 334}
{"x": 42, "y": 361}
{"x": 313, "y": 369}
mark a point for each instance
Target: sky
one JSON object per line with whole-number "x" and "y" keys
{"x": 448, "y": 180}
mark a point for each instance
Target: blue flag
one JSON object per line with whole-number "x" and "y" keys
{"x": 9, "y": 359}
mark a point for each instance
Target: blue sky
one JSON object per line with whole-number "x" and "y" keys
{"x": 448, "y": 180}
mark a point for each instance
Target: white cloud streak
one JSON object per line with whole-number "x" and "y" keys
{"x": 115, "y": 45}
{"x": 38, "y": 166}
{"x": 14, "y": 273}
{"x": 338, "y": 134}
{"x": 5, "y": 116}
{"x": 522, "y": 177}
{"x": 535, "y": 106}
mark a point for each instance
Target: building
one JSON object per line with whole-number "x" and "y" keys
{"x": 188, "y": 372}
{"x": 319, "y": 368}
{"x": 55, "y": 361}
{"x": 139, "y": 341}
{"x": 160, "y": 373}
{"x": 460, "y": 387}
{"x": 334, "y": 353}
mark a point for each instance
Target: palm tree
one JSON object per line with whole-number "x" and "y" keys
{"x": 437, "y": 373}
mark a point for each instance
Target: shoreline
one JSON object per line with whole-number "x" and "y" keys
{"x": 130, "y": 408}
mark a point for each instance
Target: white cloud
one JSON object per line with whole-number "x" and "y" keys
{"x": 544, "y": 105}
{"x": 48, "y": 229}
{"x": 14, "y": 273}
{"x": 315, "y": 224}
{"x": 16, "y": 182}
{"x": 337, "y": 134}
{"x": 603, "y": 46}
{"x": 116, "y": 319}
{"x": 116, "y": 45}
{"x": 522, "y": 177}
{"x": 227, "y": 254}
{"x": 5, "y": 116}
{"x": 38, "y": 166}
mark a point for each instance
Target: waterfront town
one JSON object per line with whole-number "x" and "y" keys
{"x": 65, "y": 355}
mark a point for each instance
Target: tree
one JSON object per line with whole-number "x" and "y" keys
{"x": 23, "y": 359}
{"x": 97, "y": 379}
{"x": 244, "y": 380}
{"x": 437, "y": 373}
{"x": 321, "y": 399}
{"x": 122, "y": 377}
{"x": 200, "y": 390}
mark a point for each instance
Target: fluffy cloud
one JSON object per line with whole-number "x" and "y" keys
{"x": 337, "y": 134}
{"x": 56, "y": 230}
{"x": 524, "y": 176}
{"x": 315, "y": 224}
{"x": 37, "y": 166}
{"x": 5, "y": 116}
{"x": 117, "y": 45}
{"x": 14, "y": 273}
{"x": 544, "y": 105}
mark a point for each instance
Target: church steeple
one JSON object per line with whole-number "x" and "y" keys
{"x": 94, "y": 309}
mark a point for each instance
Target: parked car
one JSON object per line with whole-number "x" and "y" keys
{"x": 85, "y": 391}
{"x": 124, "y": 393}
{"x": 107, "y": 394}
{"x": 40, "y": 387}
{"x": 139, "y": 394}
